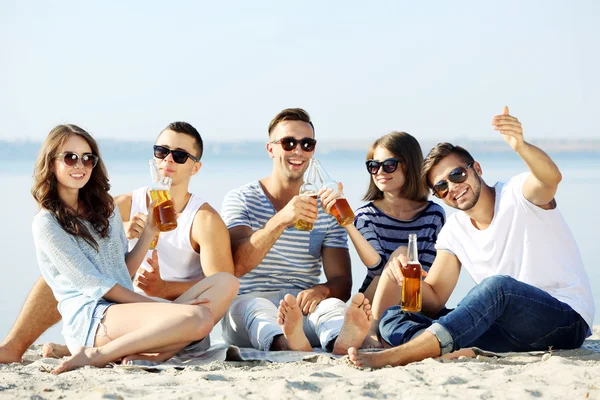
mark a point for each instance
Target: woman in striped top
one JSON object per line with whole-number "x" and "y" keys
{"x": 397, "y": 205}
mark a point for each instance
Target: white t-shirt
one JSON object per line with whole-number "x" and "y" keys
{"x": 525, "y": 242}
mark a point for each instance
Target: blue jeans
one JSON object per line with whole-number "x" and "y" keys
{"x": 500, "y": 314}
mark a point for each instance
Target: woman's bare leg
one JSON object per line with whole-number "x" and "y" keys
{"x": 220, "y": 289}
{"x": 137, "y": 328}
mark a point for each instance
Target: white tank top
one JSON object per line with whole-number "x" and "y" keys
{"x": 176, "y": 257}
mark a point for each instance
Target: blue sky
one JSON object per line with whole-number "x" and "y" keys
{"x": 438, "y": 69}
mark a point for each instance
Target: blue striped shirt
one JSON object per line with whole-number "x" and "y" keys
{"x": 294, "y": 261}
{"x": 386, "y": 234}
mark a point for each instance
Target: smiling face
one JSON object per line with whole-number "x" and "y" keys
{"x": 462, "y": 196}
{"x": 72, "y": 178}
{"x": 291, "y": 164}
{"x": 179, "y": 173}
{"x": 390, "y": 182}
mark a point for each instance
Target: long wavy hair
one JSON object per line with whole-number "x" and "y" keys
{"x": 94, "y": 200}
{"x": 407, "y": 149}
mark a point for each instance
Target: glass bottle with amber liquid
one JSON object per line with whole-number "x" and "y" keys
{"x": 165, "y": 216}
{"x": 341, "y": 209}
{"x": 411, "y": 287}
{"x": 308, "y": 188}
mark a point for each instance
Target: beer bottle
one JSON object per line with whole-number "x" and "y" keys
{"x": 165, "y": 216}
{"x": 308, "y": 188}
{"x": 411, "y": 287}
{"x": 341, "y": 209}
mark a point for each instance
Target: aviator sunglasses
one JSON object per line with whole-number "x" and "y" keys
{"x": 70, "y": 159}
{"x": 457, "y": 175}
{"x": 179, "y": 156}
{"x": 388, "y": 165}
{"x": 289, "y": 143}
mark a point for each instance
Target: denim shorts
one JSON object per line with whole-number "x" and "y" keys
{"x": 98, "y": 314}
{"x": 96, "y": 326}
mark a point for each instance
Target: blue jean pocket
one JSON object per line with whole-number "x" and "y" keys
{"x": 316, "y": 242}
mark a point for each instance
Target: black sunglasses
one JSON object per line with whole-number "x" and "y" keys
{"x": 70, "y": 158}
{"x": 457, "y": 175}
{"x": 179, "y": 156}
{"x": 389, "y": 165}
{"x": 289, "y": 143}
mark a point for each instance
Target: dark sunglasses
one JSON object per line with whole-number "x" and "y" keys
{"x": 389, "y": 165}
{"x": 289, "y": 143}
{"x": 88, "y": 160}
{"x": 457, "y": 175}
{"x": 179, "y": 156}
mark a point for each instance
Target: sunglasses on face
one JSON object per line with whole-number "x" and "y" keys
{"x": 70, "y": 159}
{"x": 179, "y": 156}
{"x": 388, "y": 165}
{"x": 289, "y": 143}
{"x": 457, "y": 175}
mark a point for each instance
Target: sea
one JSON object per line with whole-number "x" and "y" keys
{"x": 222, "y": 171}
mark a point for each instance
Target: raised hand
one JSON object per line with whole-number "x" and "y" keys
{"x": 299, "y": 207}
{"x": 150, "y": 281}
{"x": 510, "y": 128}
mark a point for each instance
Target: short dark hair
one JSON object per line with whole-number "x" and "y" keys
{"x": 187, "y": 129}
{"x": 291, "y": 114}
{"x": 441, "y": 151}
{"x": 407, "y": 149}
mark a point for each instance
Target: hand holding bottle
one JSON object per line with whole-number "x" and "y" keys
{"x": 329, "y": 196}
{"x": 340, "y": 209}
{"x": 394, "y": 269}
{"x": 305, "y": 217}
{"x": 300, "y": 210}
{"x": 135, "y": 226}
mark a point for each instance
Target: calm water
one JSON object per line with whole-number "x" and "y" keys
{"x": 577, "y": 196}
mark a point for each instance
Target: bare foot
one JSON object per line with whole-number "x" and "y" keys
{"x": 459, "y": 353}
{"x": 290, "y": 318}
{"x": 154, "y": 357}
{"x": 357, "y": 322}
{"x": 372, "y": 340}
{"x": 54, "y": 350}
{"x": 9, "y": 355}
{"x": 82, "y": 357}
{"x": 370, "y": 360}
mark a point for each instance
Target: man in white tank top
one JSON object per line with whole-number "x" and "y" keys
{"x": 199, "y": 247}
{"x": 532, "y": 290}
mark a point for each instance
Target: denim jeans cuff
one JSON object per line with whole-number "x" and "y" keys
{"x": 443, "y": 336}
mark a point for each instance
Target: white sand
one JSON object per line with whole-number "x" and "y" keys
{"x": 563, "y": 374}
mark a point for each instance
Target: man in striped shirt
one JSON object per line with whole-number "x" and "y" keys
{"x": 280, "y": 266}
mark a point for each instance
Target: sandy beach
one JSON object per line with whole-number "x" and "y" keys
{"x": 573, "y": 374}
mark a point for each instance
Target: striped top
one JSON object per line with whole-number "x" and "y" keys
{"x": 386, "y": 234}
{"x": 294, "y": 261}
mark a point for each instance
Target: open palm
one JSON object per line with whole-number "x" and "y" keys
{"x": 510, "y": 128}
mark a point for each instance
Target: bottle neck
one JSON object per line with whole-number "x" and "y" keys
{"x": 413, "y": 255}
{"x": 325, "y": 179}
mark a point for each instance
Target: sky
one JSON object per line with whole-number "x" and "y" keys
{"x": 436, "y": 69}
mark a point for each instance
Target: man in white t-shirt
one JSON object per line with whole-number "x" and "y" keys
{"x": 532, "y": 290}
